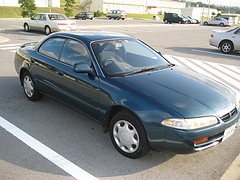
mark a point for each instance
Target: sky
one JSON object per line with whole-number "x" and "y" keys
{"x": 220, "y": 2}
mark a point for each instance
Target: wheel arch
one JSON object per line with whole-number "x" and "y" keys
{"x": 224, "y": 40}
{"x": 113, "y": 111}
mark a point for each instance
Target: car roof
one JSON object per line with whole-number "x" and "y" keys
{"x": 50, "y": 13}
{"x": 91, "y": 36}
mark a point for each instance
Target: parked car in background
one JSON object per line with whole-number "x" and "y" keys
{"x": 130, "y": 89}
{"x": 194, "y": 21}
{"x": 217, "y": 21}
{"x": 174, "y": 18}
{"x": 84, "y": 15}
{"x": 49, "y": 22}
{"x": 229, "y": 19}
{"x": 227, "y": 41}
{"x": 116, "y": 14}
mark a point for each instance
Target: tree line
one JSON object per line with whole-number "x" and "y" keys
{"x": 28, "y": 7}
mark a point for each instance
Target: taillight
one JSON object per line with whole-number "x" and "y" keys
{"x": 62, "y": 24}
{"x": 211, "y": 35}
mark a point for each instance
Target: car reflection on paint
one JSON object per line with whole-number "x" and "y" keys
{"x": 144, "y": 101}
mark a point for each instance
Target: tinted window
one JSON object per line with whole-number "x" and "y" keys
{"x": 74, "y": 52}
{"x": 52, "y": 47}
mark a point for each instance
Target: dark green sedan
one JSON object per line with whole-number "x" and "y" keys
{"x": 144, "y": 101}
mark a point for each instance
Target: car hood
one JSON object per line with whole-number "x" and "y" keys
{"x": 188, "y": 93}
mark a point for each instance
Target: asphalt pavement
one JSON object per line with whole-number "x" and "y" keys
{"x": 233, "y": 172}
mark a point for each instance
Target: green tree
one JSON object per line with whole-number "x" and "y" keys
{"x": 28, "y": 7}
{"x": 68, "y": 7}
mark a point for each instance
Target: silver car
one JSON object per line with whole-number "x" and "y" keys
{"x": 217, "y": 21}
{"x": 49, "y": 22}
{"x": 226, "y": 41}
{"x": 116, "y": 14}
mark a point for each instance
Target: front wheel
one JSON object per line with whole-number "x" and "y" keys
{"x": 29, "y": 87}
{"x": 128, "y": 135}
{"x": 226, "y": 47}
{"x": 26, "y": 27}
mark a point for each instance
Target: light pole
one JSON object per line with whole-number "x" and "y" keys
{"x": 208, "y": 8}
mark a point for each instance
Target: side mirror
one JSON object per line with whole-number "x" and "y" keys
{"x": 82, "y": 68}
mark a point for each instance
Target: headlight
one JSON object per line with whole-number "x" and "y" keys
{"x": 192, "y": 123}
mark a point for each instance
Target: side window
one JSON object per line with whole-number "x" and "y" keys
{"x": 237, "y": 32}
{"x": 52, "y": 47}
{"x": 37, "y": 17}
{"x": 74, "y": 52}
{"x": 43, "y": 17}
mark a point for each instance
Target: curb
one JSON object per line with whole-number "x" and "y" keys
{"x": 233, "y": 171}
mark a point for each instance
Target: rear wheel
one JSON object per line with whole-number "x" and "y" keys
{"x": 128, "y": 135}
{"x": 29, "y": 87}
{"x": 226, "y": 47}
{"x": 48, "y": 30}
{"x": 221, "y": 24}
{"x": 205, "y": 23}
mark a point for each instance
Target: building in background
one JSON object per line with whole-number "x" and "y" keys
{"x": 39, "y": 3}
{"x": 133, "y": 6}
{"x": 199, "y": 12}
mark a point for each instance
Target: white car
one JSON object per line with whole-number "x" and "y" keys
{"x": 217, "y": 21}
{"x": 226, "y": 41}
{"x": 49, "y": 22}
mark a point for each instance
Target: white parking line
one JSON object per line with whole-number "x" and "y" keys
{"x": 220, "y": 54}
{"x": 45, "y": 151}
{"x": 9, "y": 45}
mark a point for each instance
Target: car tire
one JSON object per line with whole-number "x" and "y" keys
{"x": 128, "y": 135}
{"x": 221, "y": 24}
{"x": 47, "y": 30}
{"x": 205, "y": 23}
{"x": 26, "y": 27}
{"x": 83, "y": 18}
{"x": 179, "y": 22}
{"x": 226, "y": 47}
{"x": 29, "y": 87}
{"x": 166, "y": 21}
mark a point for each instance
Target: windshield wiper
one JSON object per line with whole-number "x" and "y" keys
{"x": 150, "y": 68}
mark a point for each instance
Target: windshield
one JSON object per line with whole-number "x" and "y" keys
{"x": 126, "y": 57}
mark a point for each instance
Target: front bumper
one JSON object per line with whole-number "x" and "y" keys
{"x": 181, "y": 141}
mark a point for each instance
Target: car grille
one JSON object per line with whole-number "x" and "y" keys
{"x": 227, "y": 116}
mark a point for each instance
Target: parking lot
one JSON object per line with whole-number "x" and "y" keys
{"x": 80, "y": 141}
